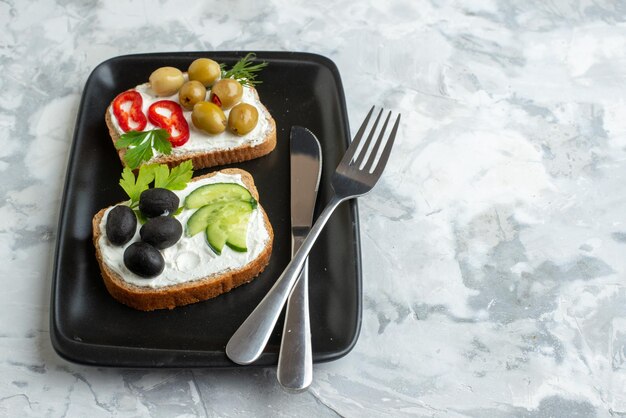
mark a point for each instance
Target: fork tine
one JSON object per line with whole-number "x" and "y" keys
{"x": 382, "y": 162}
{"x": 357, "y": 139}
{"x": 358, "y": 160}
{"x": 369, "y": 165}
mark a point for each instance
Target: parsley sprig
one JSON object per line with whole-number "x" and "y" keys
{"x": 245, "y": 70}
{"x": 139, "y": 145}
{"x": 174, "y": 179}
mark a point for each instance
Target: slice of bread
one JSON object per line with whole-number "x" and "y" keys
{"x": 243, "y": 152}
{"x": 202, "y": 288}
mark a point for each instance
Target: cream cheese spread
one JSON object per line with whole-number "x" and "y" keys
{"x": 200, "y": 141}
{"x": 190, "y": 258}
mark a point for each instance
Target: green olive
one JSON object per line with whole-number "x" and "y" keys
{"x": 191, "y": 93}
{"x": 242, "y": 119}
{"x": 205, "y": 71}
{"x": 208, "y": 117}
{"x": 226, "y": 93}
{"x": 166, "y": 81}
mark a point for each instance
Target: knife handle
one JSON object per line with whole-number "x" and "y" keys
{"x": 295, "y": 360}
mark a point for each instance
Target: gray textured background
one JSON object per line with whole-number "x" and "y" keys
{"x": 493, "y": 247}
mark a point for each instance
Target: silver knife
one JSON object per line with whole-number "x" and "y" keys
{"x": 247, "y": 343}
{"x": 295, "y": 360}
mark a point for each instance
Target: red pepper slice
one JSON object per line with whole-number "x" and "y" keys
{"x": 216, "y": 100}
{"x": 171, "y": 119}
{"x": 132, "y": 114}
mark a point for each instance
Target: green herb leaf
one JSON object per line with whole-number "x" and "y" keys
{"x": 128, "y": 183}
{"x": 136, "y": 155}
{"x": 176, "y": 179}
{"x": 140, "y": 145}
{"x": 162, "y": 144}
{"x": 245, "y": 71}
{"x": 161, "y": 173}
{"x": 128, "y": 138}
{"x": 146, "y": 176}
{"x": 134, "y": 187}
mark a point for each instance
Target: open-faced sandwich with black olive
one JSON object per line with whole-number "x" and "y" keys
{"x": 181, "y": 241}
{"x": 208, "y": 114}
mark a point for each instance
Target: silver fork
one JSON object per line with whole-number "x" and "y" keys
{"x": 356, "y": 174}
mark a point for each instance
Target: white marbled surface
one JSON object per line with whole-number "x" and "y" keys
{"x": 494, "y": 247}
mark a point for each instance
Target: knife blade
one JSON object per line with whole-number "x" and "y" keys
{"x": 295, "y": 361}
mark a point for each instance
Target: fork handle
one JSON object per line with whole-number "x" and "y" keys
{"x": 248, "y": 342}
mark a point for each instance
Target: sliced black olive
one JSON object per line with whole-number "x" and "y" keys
{"x": 144, "y": 260}
{"x": 157, "y": 202}
{"x": 161, "y": 232}
{"x": 121, "y": 225}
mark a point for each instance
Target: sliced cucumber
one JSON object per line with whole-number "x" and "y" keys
{"x": 224, "y": 212}
{"x": 224, "y": 231}
{"x": 200, "y": 219}
{"x": 216, "y": 236}
{"x": 237, "y": 238}
{"x": 223, "y": 223}
{"x": 218, "y": 192}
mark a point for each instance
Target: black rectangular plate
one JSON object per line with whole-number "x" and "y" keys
{"x": 88, "y": 326}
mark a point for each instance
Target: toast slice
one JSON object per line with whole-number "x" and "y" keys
{"x": 197, "y": 289}
{"x": 219, "y": 156}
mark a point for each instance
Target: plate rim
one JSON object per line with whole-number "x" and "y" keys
{"x": 90, "y": 354}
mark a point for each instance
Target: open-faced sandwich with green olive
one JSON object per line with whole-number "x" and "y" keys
{"x": 209, "y": 115}
{"x": 181, "y": 241}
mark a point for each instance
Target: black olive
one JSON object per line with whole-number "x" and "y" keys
{"x": 144, "y": 260}
{"x": 161, "y": 232}
{"x": 121, "y": 225}
{"x": 157, "y": 202}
